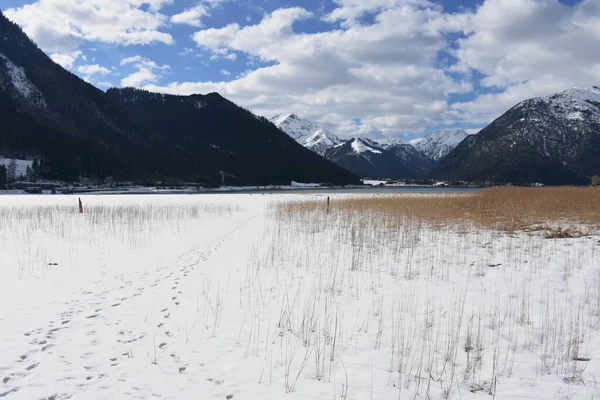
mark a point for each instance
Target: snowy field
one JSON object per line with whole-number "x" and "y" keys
{"x": 238, "y": 296}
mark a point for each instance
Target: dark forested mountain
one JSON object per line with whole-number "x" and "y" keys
{"x": 75, "y": 129}
{"x": 368, "y": 158}
{"x": 410, "y": 157}
{"x": 209, "y": 133}
{"x": 553, "y": 140}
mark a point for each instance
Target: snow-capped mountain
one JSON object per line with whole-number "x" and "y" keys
{"x": 307, "y": 133}
{"x": 553, "y": 139}
{"x": 437, "y": 145}
{"x": 369, "y": 158}
{"x": 381, "y": 158}
{"x": 389, "y": 142}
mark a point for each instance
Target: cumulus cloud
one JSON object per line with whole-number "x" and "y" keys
{"x": 147, "y": 71}
{"x": 66, "y": 60}
{"x": 142, "y": 76}
{"x": 62, "y": 25}
{"x": 191, "y": 16}
{"x": 140, "y": 62}
{"x": 384, "y": 73}
{"x": 527, "y": 48}
{"x": 93, "y": 69}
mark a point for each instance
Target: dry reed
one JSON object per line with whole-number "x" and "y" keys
{"x": 502, "y": 208}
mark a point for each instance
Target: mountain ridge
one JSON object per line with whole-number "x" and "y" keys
{"x": 553, "y": 139}
{"x": 309, "y": 134}
{"x": 76, "y": 130}
{"x": 438, "y": 144}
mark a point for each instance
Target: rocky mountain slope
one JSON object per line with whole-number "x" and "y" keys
{"x": 382, "y": 158}
{"x": 75, "y": 129}
{"x": 553, "y": 140}
{"x": 368, "y": 158}
{"x": 437, "y": 145}
{"x": 309, "y": 134}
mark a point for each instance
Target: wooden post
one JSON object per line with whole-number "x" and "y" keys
{"x": 327, "y": 205}
{"x": 80, "y": 206}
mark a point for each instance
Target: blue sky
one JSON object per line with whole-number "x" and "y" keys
{"x": 368, "y": 68}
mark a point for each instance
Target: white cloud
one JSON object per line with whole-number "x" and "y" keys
{"x": 191, "y": 16}
{"x": 66, "y": 60}
{"x": 147, "y": 71}
{"x": 225, "y": 72}
{"x": 62, "y": 25}
{"x": 104, "y": 84}
{"x": 93, "y": 69}
{"x": 384, "y": 73}
{"x": 527, "y": 48}
{"x": 141, "y": 77}
{"x": 186, "y": 51}
{"x": 140, "y": 61}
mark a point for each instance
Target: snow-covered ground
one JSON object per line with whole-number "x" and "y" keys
{"x": 213, "y": 296}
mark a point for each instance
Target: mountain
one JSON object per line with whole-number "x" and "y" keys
{"x": 408, "y": 156}
{"x": 309, "y": 134}
{"x": 382, "y": 158}
{"x": 371, "y": 159}
{"x": 552, "y": 140}
{"x": 74, "y": 129}
{"x": 390, "y": 142}
{"x": 437, "y": 145}
{"x": 213, "y": 134}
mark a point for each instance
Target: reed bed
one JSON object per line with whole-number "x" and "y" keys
{"x": 500, "y": 208}
{"x": 437, "y": 296}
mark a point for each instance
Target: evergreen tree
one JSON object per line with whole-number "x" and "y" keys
{"x": 11, "y": 171}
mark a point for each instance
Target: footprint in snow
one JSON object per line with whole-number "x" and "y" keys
{"x": 32, "y": 366}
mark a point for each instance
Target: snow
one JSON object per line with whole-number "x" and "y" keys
{"x": 21, "y": 165}
{"x": 305, "y": 185}
{"x": 572, "y": 101}
{"x": 212, "y": 296}
{"x": 389, "y": 142}
{"x": 359, "y": 146}
{"x": 575, "y": 105}
{"x": 199, "y": 104}
{"x": 309, "y": 134}
{"x": 437, "y": 145}
{"x": 415, "y": 141}
{"x": 22, "y": 84}
{"x": 374, "y": 182}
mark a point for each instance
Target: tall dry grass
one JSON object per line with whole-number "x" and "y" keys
{"x": 432, "y": 289}
{"x": 502, "y": 208}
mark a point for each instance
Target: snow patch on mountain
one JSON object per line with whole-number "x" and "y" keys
{"x": 415, "y": 141}
{"x": 437, "y": 145}
{"x": 389, "y": 142}
{"x": 22, "y": 84}
{"x": 309, "y": 134}
{"x": 575, "y": 103}
{"x": 360, "y": 146}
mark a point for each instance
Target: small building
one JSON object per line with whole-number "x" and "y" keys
{"x": 596, "y": 180}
